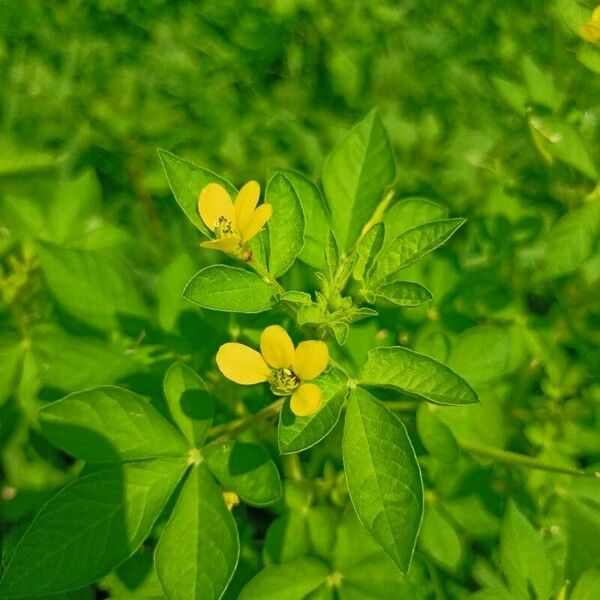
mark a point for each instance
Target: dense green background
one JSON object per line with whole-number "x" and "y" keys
{"x": 493, "y": 110}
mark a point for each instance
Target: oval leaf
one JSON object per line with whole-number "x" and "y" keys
{"x": 109, "y": 424}
{"x": 190, "y": 404}
{"x": 199, "y": 549}
{"x": 245, "y": 468}
{"x": 299, "y": 433}
{"x": 90, "y": 527}
{"x": 416, "y": 374}
{"x": 286, "y": 226}
{"x": 355, "y": 176}
{"x": 186, "y": 181}
{"x": 404, "y": 293}
{"x": 229, "y": 289}
{"x": 384, "y": 480}
{"x": 414, "y": 243}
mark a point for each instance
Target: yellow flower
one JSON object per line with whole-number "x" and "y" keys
{"x": 590, "y": 31}
{"x": 286, "y": 369}
{"x": 233, "y": 224}
{"x": 231, "y": 500}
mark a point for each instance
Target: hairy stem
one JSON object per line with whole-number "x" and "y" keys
{"x": 521, "y": 460}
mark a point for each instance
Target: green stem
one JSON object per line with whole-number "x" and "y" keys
{"x": 226, "y": 432}
{"x": 521, "y": 460}
{"x": 265, "y": 274}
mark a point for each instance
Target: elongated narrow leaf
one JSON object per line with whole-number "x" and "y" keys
{"x": 286, "y": 226}
{"x": 316, "y": 218}
{"x": 292, "y": 580}
{"x": 229, "y": 289}
{"x": 90, "y": 286}
{"x": 368, "y": 249}
{"x": 355, "y": 176}
{"x": 245, "y": 468}
{"x": 404, "y": 293}
{"x": 109, "y": 424}
{"x": 414, "y": 243}
{"x": 190, "y": 404}
{"x": 416, "y": 374}
{"x": 89, "y": 527}
{"x": 384, "y": 480}
{"x": 299, "y": 433}
{"x": 198, "y": 551}
{"x": 187, "y": 180}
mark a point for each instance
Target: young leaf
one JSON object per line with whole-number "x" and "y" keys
{"x": 89, "y": 286}
{"x": 89, "y": 527}
{"x": 245, "y": 468}
{"x": 190, "y": 404}
{"x": 416, "y": 374}
{"x": 524, "y": 560}
{"x": 199, "y": 549}
{"x": 229, "y": 289}
{"x": 403, "y": 293}
{"x": 293, "y": 580}
{"x": 186, "y": 181}
{"x": 367, "y": 250}
{"x": 286, "y": 226}
{"x": 299, "y": 433}
{"x": 332, "y": 254}
{"x": 414, "y": 243}
{"x": 355, "y": 176}
{"x": 384, "y": 479}
{"x": 439, "y": 538}
{"x": 316, "y": 217}
{"x": 436, "y": 436}
{"x": 109, "y": 424}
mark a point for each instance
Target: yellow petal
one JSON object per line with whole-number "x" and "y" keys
{"x": 277, "y": 347}
{"x": 259, "y": 217}
{"x": 596, "y": 15}
{"x": 227, "y": 244}
{"x": 245, "y": 203}
{"x": 215, "y": 202}
{"x": 310, "y": 359}
{"x": 590, "y": 32}
{"x": 242, "y": 364}
{"x": 306, "y": 400}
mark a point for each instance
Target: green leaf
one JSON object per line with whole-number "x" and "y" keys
{"x": 416, "y": 374}
{"x": 524, "y": 559}
{"x": 169, "y": 283}
{"x": 435, "y": 435}
{"x": 299, "y": 433}
{"x": 109, "y": 424}
{"x": 292, "y": 580}
{"x": 439, "y": 539}
{"x": 481, "y": 354}
{"x": 587, "y": 586}
{"x": 403, "y": 293}
{"x": 286, "y": 226}
{"x": 332, "y": 254}
{"x": 296, "y": 297}
{"x": 11, "y": 358}
{"x": 572, "y": 240}
{"x": 187, "y": 181}
{"x": 198, "y": 551}
{"x": 355, "y": 176}
{"x": 540, "y": 86}
{"x": 245, "y": 468}
{"x": 410, "y": 212}
{"x": 190, "y": 404}
{"x": 513, "y": 94}
{"x": 384, "y": 479}
{"x": 367, "y": 250}
{"x": 414, "y": 243}
{"x": 316, "y": 218}
{"x": 90, "y": 286}
{"x": 67, "y": 362}
{"x": 229, "y": 289}
{"x": 89, "y": 527}
{"x": 556, "y": 139}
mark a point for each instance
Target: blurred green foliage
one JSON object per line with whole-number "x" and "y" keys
{"x": 493, "y": 111}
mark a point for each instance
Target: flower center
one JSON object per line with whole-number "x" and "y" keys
{"x": 283, "y": 382}
{"x": 224, "y": 228}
